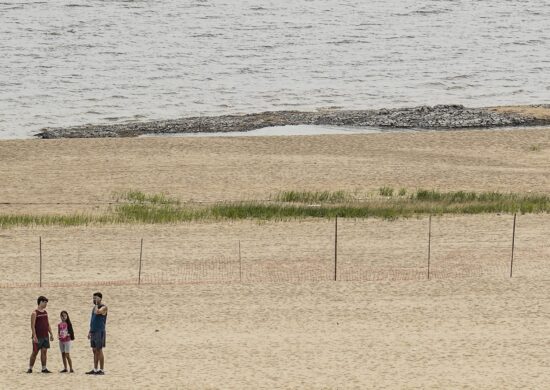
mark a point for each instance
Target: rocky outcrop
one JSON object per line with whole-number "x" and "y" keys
{"x": 423, "y": 117}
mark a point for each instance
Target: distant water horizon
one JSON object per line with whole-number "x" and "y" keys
{"x": 67, "y": 63}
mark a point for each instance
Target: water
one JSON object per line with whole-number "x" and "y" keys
{"x": 107, "y": 61}
{"x": 301, "y": 130}
{"x": 281, "y": 131}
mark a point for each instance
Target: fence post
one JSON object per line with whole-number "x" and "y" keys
{"x": 513, "y": 244}
{"x": 240, "y": 264}
{"x": 40, "y": 250}
{"x": 140, "y": 257}
{"x": 335, "y": 247}
{"x": 429, "y": 243}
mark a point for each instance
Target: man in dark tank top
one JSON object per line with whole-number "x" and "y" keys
{"x": 40, "y": 327}
{"x": 97, "y": 333}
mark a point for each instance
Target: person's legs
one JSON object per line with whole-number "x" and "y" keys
{"x": 97, "y": 342}
{"x": 100, "y": 347}
{"x": 33, "y": 356}
{"x": 64, "y": 358}
{"x": 43, "y": 357}
{"x": 68, "y": 357}
{"x": 101, "y": 358}
{"x": 96, "y": 357}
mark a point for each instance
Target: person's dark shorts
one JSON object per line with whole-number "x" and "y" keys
{"x": 43, "y": 342}
{"x": 97, "y": 340}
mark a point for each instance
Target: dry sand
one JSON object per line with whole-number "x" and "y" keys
{"x": 88, "y": 172}
{"x": 286, "y": 325}
{"x": 455, "y": 333}
{"x": 461, "y": 246}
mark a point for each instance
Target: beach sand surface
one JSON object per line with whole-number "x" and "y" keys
{"x": 287, "y": 324}
{"x": 82, "y": 175}
{"x": 248, "y": 304}
{"x": 457, "y": 333}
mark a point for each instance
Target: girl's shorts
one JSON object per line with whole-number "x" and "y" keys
{"x": 65, "y": 346}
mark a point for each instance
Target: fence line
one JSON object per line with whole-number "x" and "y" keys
{"x": 309, "y": 265}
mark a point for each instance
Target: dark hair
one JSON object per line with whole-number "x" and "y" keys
{"x": 98, "y": 294}
{"x": 41, "y": 298}
{"x": 69, "y": 324}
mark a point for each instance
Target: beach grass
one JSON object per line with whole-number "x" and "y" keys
{"x": 138, "y": 207}
{"x": 385, "y": 191}
{"x": 140, "y": 197}
{"x": 65, "y": 220}
{"x": 314, "y": 196}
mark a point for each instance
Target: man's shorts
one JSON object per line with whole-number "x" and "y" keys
{"x": 97, "y": 340}
{"x": 43, "y": 342}
{"x": 65, "y": 346}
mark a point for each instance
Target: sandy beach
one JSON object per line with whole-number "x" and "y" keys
{"x": 271, "y": 316}
{"x": 55, "y": 176}
{"x": 459, "y": 333}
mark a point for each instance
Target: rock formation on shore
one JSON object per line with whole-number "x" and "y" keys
{"x": 422, "y": 117}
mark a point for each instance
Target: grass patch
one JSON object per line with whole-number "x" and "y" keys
{"x": 286, "y": 212}
{"x": 157, "y": 208}
{"x": 46, "y": 220}
{"x": 314, "y": 197}
{"x": 130, "y": 213}
{"x": 138, "y": 207}
{"x": 463, "y": 196}
{"x": 385, "y": 191}
{"x": 142, "y": 198}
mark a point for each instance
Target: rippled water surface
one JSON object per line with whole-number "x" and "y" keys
{"x": 107, "y": 61}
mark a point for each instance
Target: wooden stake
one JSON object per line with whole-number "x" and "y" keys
{"x": 513, "y": 244}
{"x": 140, "y": 257}
{"x": 240, "y": 264}
{"x": 40, "y": 249}
{"x": 335, "y": 247}
{"x": 429, "y": 243}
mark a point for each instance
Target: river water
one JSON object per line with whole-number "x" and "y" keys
{"x": 74, "y": 62}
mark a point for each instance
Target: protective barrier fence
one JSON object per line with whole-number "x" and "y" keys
{"x": 326, "y": 250}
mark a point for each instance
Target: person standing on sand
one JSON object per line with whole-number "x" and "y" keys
{"x": 65, "y": 334}
{"x": 40, "y": 327}
{"x": 97, "y": 333}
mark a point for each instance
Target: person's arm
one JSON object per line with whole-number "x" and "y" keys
{"x": 50, "y": 331}
{"x": 58, "y": 332}
{"x": 101, "y": 311}
{"x": 90, "y": 331}
{"x": 33, "y": 323}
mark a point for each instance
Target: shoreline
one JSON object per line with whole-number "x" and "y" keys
{"x": 439, "y": 117}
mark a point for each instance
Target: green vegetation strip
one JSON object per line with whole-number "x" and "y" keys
{"x": 137, "y": 207}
